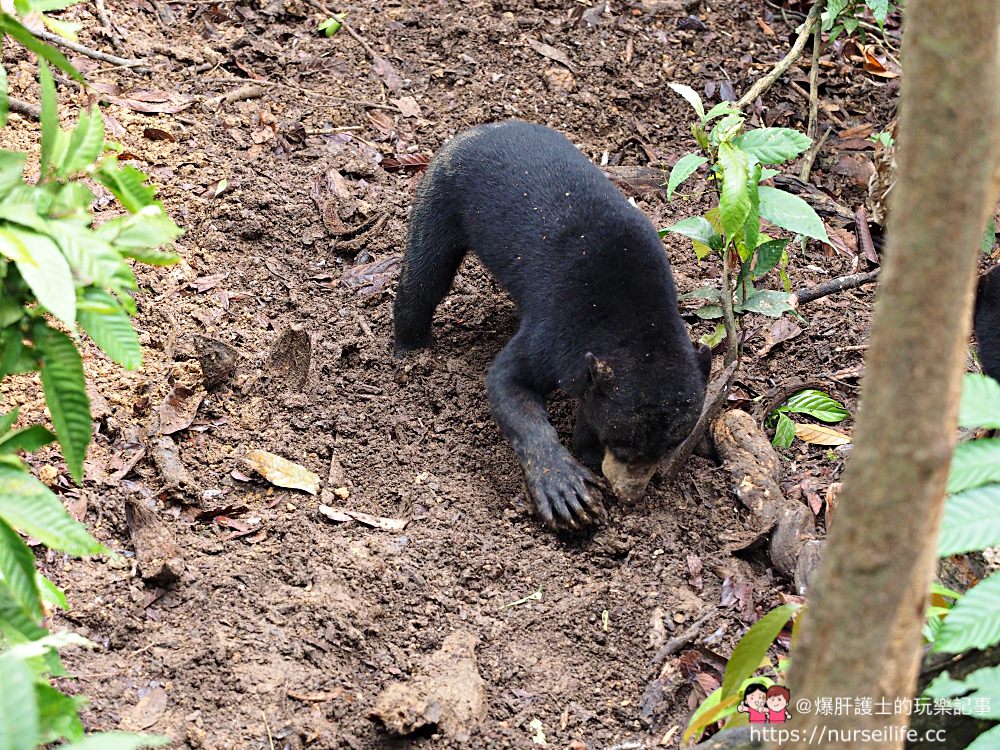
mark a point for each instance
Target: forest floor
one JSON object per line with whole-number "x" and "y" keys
{"x": 285, "y": 626}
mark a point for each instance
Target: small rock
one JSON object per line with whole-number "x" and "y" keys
{"x": 558, "y": 80}
{"x": 217, "y": 358}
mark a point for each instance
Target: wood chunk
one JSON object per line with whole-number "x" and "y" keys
{"x": 217, "y": 358}
{"x": 175, "y": 476}
{"x": 289, "y": 359}
{"x": 157, "y": 554}
{"x": 447, "y": 694}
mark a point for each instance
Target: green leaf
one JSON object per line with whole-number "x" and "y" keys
{"x": 17, "y": 567}
{"x": 4, "y": 99}
{"x": 767, "y": 302}
{"x": 93, "y": 258}
{"x": 7, "y": 420}
{"x": 127, "y": 184}
{"x": 713, "y": 339}
{"x": 65, "y": 394}
{"x": 117, "y": 741}
{"x": 971, "y": 521}
{"x": 29, "y": 506}
{"x": 773, "y": 145}
{"x": 11, "y": 312}
{"x": 734, "y": 199}
{"x": 50, "y": 593}
{"x": 818, "y": 405}
{"x": 18, "y": 709}
{"x": 29, "y": 439}
{"x": 980, "y": 402}
{"x": 85, "y": 143}
{"x": 331, "y": 26}
{"x": 15, "y": 357}
{"x": 751, "y": 227}
{"x": 720, "y": 110}
{"x": 709, "y": 293}
{"x": 989, "y": 236}
{"x": 879, "y": 9}
{"x": 753, "y": 647}
{"x": 57, "y": 714}
{"x": 682, "y": 169}
{"x": 111, "y": 329}
{"x": 149, "y": 228}
{"x": 709, "y": 312}
{"x": 784, "y": 432}
{"x": 47, "y": 273}
{"x": 697, "y": 228}
{"x": 791, "y": 212}
{"x": 973, "y": 622}
{"x": 768, "y": 256}
{"x": 988, "y": 740}
{"x": 767, "y": 174}
{"x": 726, "y": 129}
{"x": 16, "y": 625}
{"x": 978, "y": 692}
{"x": 691, "y": 96}
{"x": 11, "y": 170}
{"x": 49, "y": 117}
{"x": 44, "y": 51}
{"x": 974, "y": 464}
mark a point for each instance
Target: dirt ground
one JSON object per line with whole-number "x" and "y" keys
{"x": 285, "y": 626}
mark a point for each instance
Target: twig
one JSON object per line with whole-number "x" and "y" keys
{"x": 267, "y": 726}
{"x": 813, "y": 97}
{"x": 359, "y": 39}
{"x": 728, "y": 315}
{"x": 105, "y": 17}
{"x": 88, "y": 52}
{"x": 30, "y": 111}
{"x": 765, "y": 82}
{"x": 840, "y": 284}
{"x": 247, "y": 91}
{"x": 810, "y": 156}
{"x": 715, "y": 399}
{"x": 678, "y": 642}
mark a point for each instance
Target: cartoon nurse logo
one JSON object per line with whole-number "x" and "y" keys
{"x": 755, "y": 703}
{"x": 765, "y": 705}
{"x": 777, "y": 704}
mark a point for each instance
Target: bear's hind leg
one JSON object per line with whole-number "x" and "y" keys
{"x": 434, "y": 250}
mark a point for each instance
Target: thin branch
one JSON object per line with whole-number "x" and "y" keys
{"x": 728, "y": 315}
{"x": 88, "y": 52}
{"x": 813, "y": 98}
{"x": 810, "y": 155}
{"x": 765, "y": 82}
{"x": 31, "y": 111}
{"x": 811, "y": 293}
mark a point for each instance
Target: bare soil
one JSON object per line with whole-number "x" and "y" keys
{"x": 285, "y": 626}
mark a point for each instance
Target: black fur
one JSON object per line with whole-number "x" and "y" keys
{"x": 594, "y": 292}
{"x": 987, "y": 322}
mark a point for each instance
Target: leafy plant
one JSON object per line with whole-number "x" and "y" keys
{"x": 60, "y": 273}
{"x": 812, "y": 403}
{"x": 749, "y": 656}
{"x": 737, "y": 160}
{"x": 846, "y": 16}
{"x": 970, "y": 523}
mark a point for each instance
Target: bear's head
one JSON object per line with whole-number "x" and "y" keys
{"x": 641, "y": 408}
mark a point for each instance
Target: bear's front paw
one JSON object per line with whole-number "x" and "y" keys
{"x": 565, "y": 493}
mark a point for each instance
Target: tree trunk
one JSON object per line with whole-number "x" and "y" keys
{"x": 861, "y": 635}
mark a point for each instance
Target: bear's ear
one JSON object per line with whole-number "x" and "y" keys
{"x": 599, "y": 371}
{"x": 704, "y": 355}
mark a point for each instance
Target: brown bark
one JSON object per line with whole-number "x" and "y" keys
{"x": 861, "y": 636}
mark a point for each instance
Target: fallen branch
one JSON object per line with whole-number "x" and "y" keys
{"x": 26, "y": 109}
{"x": 95, "y": 54}
{"x": 765, "y": 82}
{"x": 839, "y": 284}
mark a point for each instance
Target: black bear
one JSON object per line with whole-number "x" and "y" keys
{"x": 596, "y": 301}
{"x": 987, "y": 322}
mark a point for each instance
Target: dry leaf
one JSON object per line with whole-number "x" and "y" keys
{"x": 342, "y": 515}
{"x": 388, "y": 74}
{"x": 381, "y": 121}
{"x": 282, "y": 472}
{"x": 407, "y": 105}
{"x": 781, "y": 330}
{"x": 158, "y": 134}
{"x": 406, "y": 161}
{"x": 547, "y": 50}
{"x": 765, "y": 27}
{"x": 819, "y": 434}
{"x": 178, "y": 410}
{"x": 147, "y": 711}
